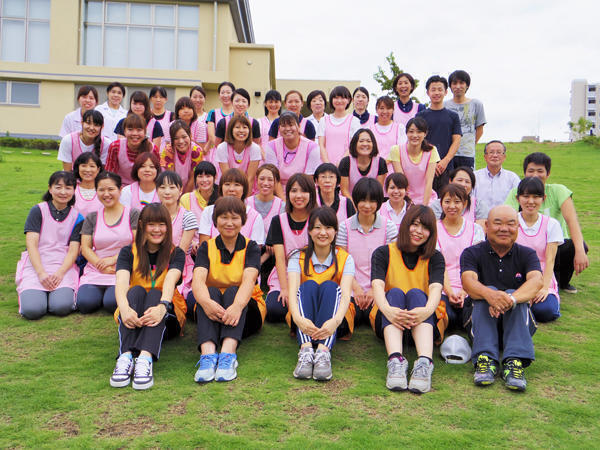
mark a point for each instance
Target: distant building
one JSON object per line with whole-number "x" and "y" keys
{"x": 530, "y": 139}
{"x": 585, "y": 98}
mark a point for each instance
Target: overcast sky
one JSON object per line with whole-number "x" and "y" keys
{"x": 521, "y": 55}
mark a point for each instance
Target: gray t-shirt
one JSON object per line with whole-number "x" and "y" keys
{"x": 471, "y": 116}
{"x": 263, "y": 208}
{"x": 89, "y": 225}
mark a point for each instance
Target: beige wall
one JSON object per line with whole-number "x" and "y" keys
{"x": 306, "y": 86}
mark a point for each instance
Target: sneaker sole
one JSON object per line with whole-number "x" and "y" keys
{"x": 570, "y": 291}
{"x": 516, "y": 388}
{"x": 202, "y": 381}
{"x": 143, "y": 387}
{"x": 120, "y": 384}
{"x": 396, "y": 388}
{"x": 418, "y": 391}
{"x": 483, "y": 383}
{"x": 300, "y": 377}
{"x": 316, "y": 378}
{"x": 221, "y": 379}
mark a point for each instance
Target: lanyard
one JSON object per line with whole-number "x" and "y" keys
{"x": 152, "y": 277}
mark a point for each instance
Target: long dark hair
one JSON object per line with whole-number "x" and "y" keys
{"x": 422, "y": 126}
{"x": 96, "y": 118}
{"x": 157, "y": 213}
{"x": 85, "y": 158}
{"x": 327, "y": 217}
{"x": 425, "y": 215}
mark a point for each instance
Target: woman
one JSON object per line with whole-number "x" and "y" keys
{"x": 291, "y": 153}
{"x": 272, "y": 108}
{"x": 200, "y": 134}
{"x": 86, "y": 168}
{"x": 265, "y": 202}
{"x": 387, "y": 132}
{"x": 398, "y": 202}
{"x": 181, "y": 154}
{"x": 186, "y": 112}
{"x": 320, "y": 283}
{"x": 112, "y": 110}
{"x": 87, "y": 139}
{"x": 477, "y": 210}
{"x": 416, "y": 159}
{"x": 288, "y": 232}
{"x": 362, "y": 162}
{"x": 158, "y": 100}
{"x": 87, "y": 97}
{"x": 407, "y": 278}
{"x": 142, "y": 191}
{"x": 140, "y": 105}
{"x": 123, "y": 153}
{"x": 455, "y": 233}
{"x": 240, "y": 100}
{"x": 316, "y": 102}
{"x": 336, "y": 131}
{"x": 229, "y": 303}
{"x": 149, "y": 307}
{"x": 293, "y": 102}
{"x": 544, "y": 235}
{"x": 225, "y": 90}
{"x": 206, "y": 191}
{"x": 47, "y": 276}
{"x": 327, "y": 179}
{"x": 103, "y": 234}
{"x": 405, "y": 108}
{"x": 360, "y": 100}
{"x": 238, "y": 151}
{"x": 359, "y": 235}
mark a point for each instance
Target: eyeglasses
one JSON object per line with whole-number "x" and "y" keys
{"x": 495, "y": 152}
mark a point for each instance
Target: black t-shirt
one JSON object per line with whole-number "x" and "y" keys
{"x": 380, "y": 260}
{"x": 508, "y": 272}
{"x": 275, "y": 234}
{"x": 125, "y": 259}
{"x": 344, "y": 167}
{"x": 309, "y": 130}
{"x": 33, "y": 223}
{"x": 443, "y": 124}
{"x": 221, "y": 128}
{"x": 252, "y": 253}
{"x": 160, "y": 116}
{"x": 350, "y": 211}
{"x": 157, "y": 130}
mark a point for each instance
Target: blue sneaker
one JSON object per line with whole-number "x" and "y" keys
{"x": 227, "y": 365}
{"x": 208, "y": 366}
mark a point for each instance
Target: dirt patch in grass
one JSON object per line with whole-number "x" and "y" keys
{"x": 130, "y": 428}
{"x": 62, "y": 423}
{"x": 179, "y": 409}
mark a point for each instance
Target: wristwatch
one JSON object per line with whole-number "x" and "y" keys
{"x": 512, "y": 297}
{"x": 168, "y": 306}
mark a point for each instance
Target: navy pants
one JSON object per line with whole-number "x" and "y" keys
{"x": 276, "y": 312}
{"x": 319, "y": 303}
{"x": 414, "y": 298}
{"x": 546, "y": 311}
{"x": 512, "y": 331}
{"x": 459, "y": 318}
{"x": 91, "y": 297}
{"x": 464, "y": 161}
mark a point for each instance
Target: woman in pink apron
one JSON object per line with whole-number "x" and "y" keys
{"x": 405, "y": 108}
{"x": 327, "y": 179}
{"x": 199, "y": 127}
{"x": 455, "y": 233}
{"x": 158, "y": 100}
{"x": 363, "y": 161}
{"x": 398, "y": 202}
{"x": 143, "y": 190}
{"x": 46, "y": 275}
{"x": 360, "y": 100}
{"x": 293, "y": 102}
{"x": 140, "y": 104}
{"x": 238, "y": 151}
{"x": 87, "y": 97}
{"x": 288, "y": 232}
{"x": 86, "y": 168}
{"x": 103, "y": 234}
{"x": 272, "y": 109}
{"x": 359, "y": 235}
{"x": 387, "y": 132}
{"x": 338, "y": 128}
{"x": 544, "y": 235}
{"x": 417, "y": 159}
{"x": 478, "y": 209}
{"x": 241, "y": 102}
{"x": 291, "y": 152}
{"x": 225, "y": 90}
{"x": 181, "y": 154}
{"x": 88, "y": 139}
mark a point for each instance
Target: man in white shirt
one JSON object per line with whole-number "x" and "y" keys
{"x": 493, "y": 183}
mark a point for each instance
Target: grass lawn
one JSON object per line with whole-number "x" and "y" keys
{"x": 54, "y": 372}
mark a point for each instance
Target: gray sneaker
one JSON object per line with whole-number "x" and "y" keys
{"x": 304, "y": 368}
{"x": 396, "y": 376}
{"x": 420, "y": 377}
{"x": 322, "y": 366}
{"x": 121, "y": 376}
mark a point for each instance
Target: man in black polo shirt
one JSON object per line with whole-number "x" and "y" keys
{"x": 501, "y": 277}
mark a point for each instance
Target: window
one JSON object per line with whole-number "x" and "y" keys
{"x": 25, "y": 30}
{"x": 591, "y": 88}
{"x": 591, "y": 101}
{"x": 140, "y": 35}
{"x": 19, "y": 93}
{"x": 591, "y": 113}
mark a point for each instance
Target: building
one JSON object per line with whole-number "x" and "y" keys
{"x": 49, "y": 48}
{"x": 585, "y": 98}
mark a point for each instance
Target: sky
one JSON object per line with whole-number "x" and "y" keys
{"x": 521, "y": 55}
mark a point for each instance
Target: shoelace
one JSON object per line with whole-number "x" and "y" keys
{"x": 396, "y": 366}
{"x": 421, "y": 369}
{"x": 516, "y": 369}
{"x": 305, "y": 358}
{"x": 142, "y": 368}
{"x": 122, "y": 365}
{"x": 205, "y": 362}
{"x": 483, "y": 365}
{"x": 321, "y": 358}
{"x": 226, "y": 361}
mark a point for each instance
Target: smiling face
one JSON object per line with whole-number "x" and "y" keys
{"x": 137, "y": 108}
{"x": 88, "y": 171}
{"x": 147, "y": 171}
{"x": 240, "y": 105}
{"x": 367, "y": 207}
{"x": 134, "y": 136}
{"x": 463, "y": 179}
{"x": 182, "y": 141}
{"x": 290, "y": 131}
{"x": 156, "y": 232}
{"x": 530, "y": 203}
{"x": 168, "y": 193}
{"x": 403, "y": 87}
{"x": 327, "y": 181}
{"x": 321, "y": 235}
{"x": 240, "y": 131}
{"x": 233, "y": 189}
{"x": 186, "y": 114}
{"x": 452, "y": 206}
{"x": 225, "y": 95}
{"x": 418, "y": 234}
{"x": 317, "y": 105}
{"x": 273, "y": 106}
{"x": 538, "y": 171}
{"x": 198, "y": 100}
{"x": 502, "y": 226}
{"x": 395, "y": 193}
{"x": 90, "y": 130}
{"x": 115, "y": 97}
{"x": 415, "y": 136}
{"x": 384, "y": 114}
{"x": 265, "y": 182}
{"x": 61, "y": 193}
{"x": 436, "y": 92}
{"x": 229, "y": 224}
{"x": 339, "y": 103}
{"x": 494, "y": 155}
{"x": 364, "y": 146}
{"x": 293, "y": 103}
{"x": 205, "y": 182}
{"x": 87, "y": 102}
{"x": 108, "y": 192}
{"x": 298, "y": 198}
{"x": 361, "y": 101}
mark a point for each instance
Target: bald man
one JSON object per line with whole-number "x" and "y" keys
{"x": 501, "y": 277}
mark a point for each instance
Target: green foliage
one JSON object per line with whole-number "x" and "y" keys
{"x": 592, "y": 140}
{"x": 39, "y": 144}
{"x": 581, "y": 127}
{"x": 386, "y": 82}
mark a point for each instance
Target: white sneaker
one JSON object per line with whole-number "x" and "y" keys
{"x": 420, "y": 377}
{"x": 121, "y": 376}
{"x": 322, "y": 366}
{"x": 142, "y": 376}
{"x": 304, "y": 368}
{"x": 396, "y": 377}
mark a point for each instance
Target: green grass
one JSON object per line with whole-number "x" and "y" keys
{"x": 54, "y": 389}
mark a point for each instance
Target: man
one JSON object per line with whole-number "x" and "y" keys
{"x": 444, "y": 129}
{"x": 471, "y": 114}
{"x": 493, "y": 183}
{"x": 572, "y": 254}
{"x": 501, "y": 277}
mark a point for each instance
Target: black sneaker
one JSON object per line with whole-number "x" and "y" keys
{"x": 570, "y": 289}
{"x": 513, "y": 375}
{"x": 485, "y": 371}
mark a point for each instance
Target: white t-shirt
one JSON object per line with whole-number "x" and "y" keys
{"x": 87, "y": 194}
{"x": 111, "y": 118}
{"x": 221, "y": 153}
{"x": 258, "y": 229}
{"x": 66, "y": 148}
{"x": 554, "y": 233}
{"x": 316, "y": 123}
{"x": 145, "y": 197}
{"x": 478, "y": 235}
{"x": 354, "y": 125}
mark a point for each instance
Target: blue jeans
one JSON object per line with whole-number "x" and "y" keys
{"x": 546, "y": 311}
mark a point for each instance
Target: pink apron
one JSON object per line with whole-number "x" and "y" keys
{"x": 135, "y": 197}
{"x": 303, "y": 123}
{"x": 337, "y": 138}
{"x": 415, "y": 173}
{"x": 355, "y": 175}
{"x": 107, "y": 241}
{"x": 402, "y": 117}
{"x": 125, "y": 165}
{"x": 274, "y": 211}
{"x": 165, "y": 123}
{"x": 291, "y": 242}
{"x": 188, "y": 269}
{"x": 387, "y": 212}
{"x": 265, "y": 126}
{"x": 76, "y": 148}
{"x": 385, "y": 141}
{"x": 538, "y": 242}
{"x": 198, "y": 129}
{"x": 361, "y": 247}
{"x": 298, "y": 162}
{"x": 83, "y": 206}
{"x": 183, "y": 168}
{"x": 369, "y": 123}
{"x": 470, "y": 213}
{"x": 246, "y": 230}
{"x": 341, "y": 213}
{"x": 452, "y": 247}
{"x": 53, "y": 247}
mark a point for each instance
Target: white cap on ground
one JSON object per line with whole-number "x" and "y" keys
{"x": 456, "y": 350}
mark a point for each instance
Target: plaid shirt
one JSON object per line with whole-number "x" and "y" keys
{"x": 112, "y": 159}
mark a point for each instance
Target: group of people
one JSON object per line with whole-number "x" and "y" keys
{"x": 325, "y": 222}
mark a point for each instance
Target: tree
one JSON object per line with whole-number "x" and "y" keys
{"x": 386, "y": 82}
{"x": 581, "y": 127}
